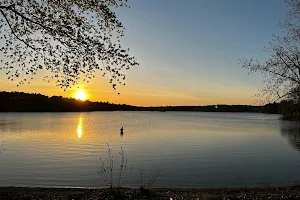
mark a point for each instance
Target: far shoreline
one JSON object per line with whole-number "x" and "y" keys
{"x": 190, "y": 111}
{"x": 30, "y": 102}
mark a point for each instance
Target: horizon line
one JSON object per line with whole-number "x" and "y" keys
{"x": 219, "y": 104}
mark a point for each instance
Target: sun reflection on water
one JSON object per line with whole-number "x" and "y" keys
{"x": 79, "y": 128}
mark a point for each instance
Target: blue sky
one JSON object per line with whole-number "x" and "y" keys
{"x": 189, "y": 49}
{"x": 195, "y": 45}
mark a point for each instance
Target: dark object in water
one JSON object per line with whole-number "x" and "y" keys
{"x": 121, "y": 131}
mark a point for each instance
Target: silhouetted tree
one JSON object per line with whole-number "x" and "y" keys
{"x": 290, "y": 109}
{"x": 69, "y": 38}
{"x": 271, "y": 108}
{"x": 282, "y": 70}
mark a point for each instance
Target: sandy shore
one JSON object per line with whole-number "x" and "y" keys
{"x": 165, "y": 193}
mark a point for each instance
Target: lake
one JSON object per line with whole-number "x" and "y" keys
{"x": 189, "y": 149}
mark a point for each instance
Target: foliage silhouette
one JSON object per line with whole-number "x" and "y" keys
{"x": 71, "y": 39}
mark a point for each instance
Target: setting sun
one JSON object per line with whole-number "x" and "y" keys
{"x": 80, "y": 95}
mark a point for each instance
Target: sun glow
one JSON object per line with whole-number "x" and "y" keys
{"x": 80, "y": 95}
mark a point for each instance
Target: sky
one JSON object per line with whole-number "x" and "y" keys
{"x": 188, "y": 52}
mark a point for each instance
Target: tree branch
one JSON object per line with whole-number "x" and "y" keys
{"x": 13, "y": 32}
{"x": 297, "y": 66}
{"x": 288, "y": 66}
{"x": 51, "y": 30}
{"x": 283, "y": 76}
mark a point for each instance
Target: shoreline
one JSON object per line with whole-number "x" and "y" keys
{"x": 10, "y": 192}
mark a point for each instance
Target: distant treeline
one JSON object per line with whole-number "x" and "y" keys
{"x": 209, "y": 108}
{"x": 25, "y": 102}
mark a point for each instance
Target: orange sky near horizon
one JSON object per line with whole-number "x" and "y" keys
{"x": 140, "y": 94}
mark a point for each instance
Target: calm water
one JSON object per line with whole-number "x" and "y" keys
{"x": 191, "y": 149}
